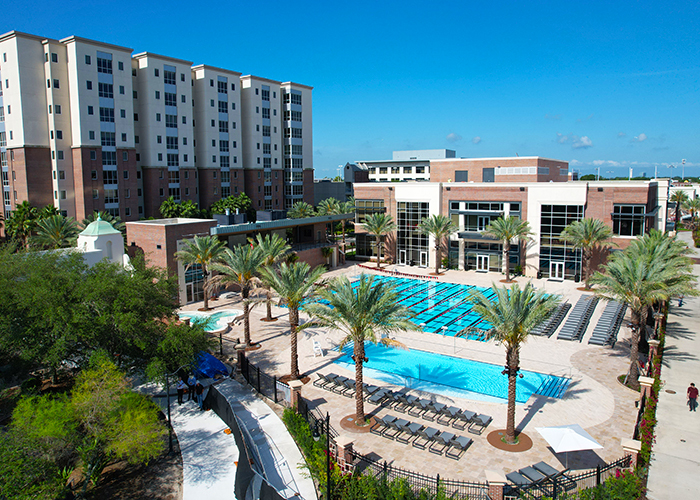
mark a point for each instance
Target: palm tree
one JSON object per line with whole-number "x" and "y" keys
{"x": 692, "y": 206}
{"x": 585, "y": 235}
{"x": 508, "y": 229}
{"x": 329, "y": 206}
{"x": 56, "y": 231}
{"x": 513, "y": 315}
{"x": 378, "y": 225}
{"x": 439, "y": 227}
{"x": 116, "y": 222}
{"x": 300, "y": 210}
{"x": 294, "y": 283}
{"x": 240, "y": 267}
{"x": 274, "y": 249}
{"x": 652, "y": 269}
{"x": 368, "y": 312}
{"x": 22, "y": 222}
{"x": 679, "y": 197}
{"x": 201, "y": 250}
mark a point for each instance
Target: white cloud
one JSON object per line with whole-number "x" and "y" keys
{"x": 575, "y": 162}
{"x": 640, "y": 138}
{"x": 582, "y": 142}
{"x": 621, "y": 135}
{"x": 452, "y": 137}
{"x": 476, "y": 140}
{"x": 562, "y": 139}
{"x": 598, "y": 163}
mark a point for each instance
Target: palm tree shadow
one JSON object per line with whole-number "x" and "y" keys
{"x": 532, "y": 410}
{"x": 673, "y": 353}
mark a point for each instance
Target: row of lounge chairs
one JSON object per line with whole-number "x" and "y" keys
{"x": 578, "y": 319}
{"x": 540, "y": 473}
{"x": 422, "y": 437}
{"x": 403, "y": 402}
{"x": 608, "y": 325}
{"x": 549, "y": 326}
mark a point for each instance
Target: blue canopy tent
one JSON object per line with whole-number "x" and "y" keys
{"x": 207, "y": 366}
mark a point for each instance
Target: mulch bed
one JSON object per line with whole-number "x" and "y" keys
{"x": 265, "y": 320}
{"x": 348, "y": 423}
{"x": 524, "y": 441}
{"x": 286, "y": 378}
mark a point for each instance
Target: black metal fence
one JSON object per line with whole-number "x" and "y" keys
{"x": 314, "y": 418}
{"x": 417, "y": 481}
{"x": 569, "y": 483}
{"x": 265, "y": 384}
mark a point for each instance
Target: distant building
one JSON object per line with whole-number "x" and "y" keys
{"x": 326, "y": 188}
{"x": 353, "y": 173}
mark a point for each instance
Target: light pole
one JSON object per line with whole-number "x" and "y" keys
{"x": 683, "y": 169}
{"x": 597, "y": 177}
{"x": 671, "y": 166}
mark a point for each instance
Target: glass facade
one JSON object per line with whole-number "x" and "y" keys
{"x": 628, "y": 220}
{"x": 363, "y": 208}
{"x": 557, "y": 258}
{"x": 411, "y": 246}
{"x": 194, "y": 283}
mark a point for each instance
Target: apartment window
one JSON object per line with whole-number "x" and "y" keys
{"x": 184, "y": 121}
{"x": 156, "y": 72}
{"x": 266, "y": 149}
{"x": 223, "y": 107}
{"x": 123, "y": 137}
{"x": 91, "y": 111}
{"x": 233, "y": 125}
{"x": 59, "y": 134}
{"x": 171, "y": 143}
{"x": 211, "y": 102}
{"x": 223, "y": 126}
{"x": 296, "y": 98}
{"x": 184, "y": 141}
{"x": 182, "y": 77}
{"x": 157, "y": 94}
{"x": 222, "y": 87}
{"x": 122, "y": 113}
{"x": 224, "y": 162}
{"x": 160, "y": 156}
{"x": 59, "y": 155}
{"x": 211, "y": 82}
{"x": 104, "y": 65}
{"x": 88, "y": 60}
{"x": 136, "y": 140}
{"x": 108, "y": 139}
{"x": 91, "y": 135}
{"x": 233, "y": 106}
{"x": 187, "y": 174}
{"x": 121, "y": 89}
{"x": 127, "y": 210}
{"x": 169, "y": 77}
{"x": 93, "y": 156}
{"x": 107, "y": 115}
{"x": 213, "y": 123}
{"x": 95, "y": 192}
{"x": 173, "y": 160}
{"x": 138, "y": 192}
{"x": 109, "y": 157}
{"x": 125, "y": 158}
{"x": 54, "y": 57}
{"x": 235, "y": 159}
{"x": 105, "y": 90}
{"x": 121, "y": 68}
{"x": 159, "y": 139}
{"x": 170, "y": 99}
{"x": 223, "y": 146}
{"x": 2, "y": 114}
{"x": 161, "y": 192}
{"x": 111, "y": 196}
{"x": 266, "y": 113}
{"x": 171, "y": 121}
{"x": 58, "y": 109}
{"x": 56, "y": 83}
{"x": 257, "y": 109}
{"x": 110, "y": 177}
{"x": 225, "y": 175}
{"x": 183, "y": 98}
{"x": 135, "y": 94}
{"x": 157, "y": 117}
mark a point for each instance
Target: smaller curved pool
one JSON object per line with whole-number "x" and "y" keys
{"x": 218, "y": 321}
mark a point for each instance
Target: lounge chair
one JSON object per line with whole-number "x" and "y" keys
{"x": 447, "y": 414}
{"x": 463, "y": 419}
{"x": 404, "y": 402}
{"x": 432, "y": 410}
{"x": 379, "y": 397}
{"x": 518, "y": 479}
{"x": 532, "y": 474}
{"x": 461, "y": 443}
{"x": 370, "y": 389}
{"x": 324, "y": 381}
{"x": 395, "y": 428}
{"x": 418, "y": 406}
{"x": 546, "y": 469}
{"x": 426, "y": 435}
{"x": 338, "y": 385}
{"x": 381, "y": 425}
{"x": 442, "y": 440}
{"x": 479, "y": 423}
{"x": 558, "y": 476}
{"x": 347, "y": 388}
{"x": 318, "y": 350}
{"x": 410, "y": 431}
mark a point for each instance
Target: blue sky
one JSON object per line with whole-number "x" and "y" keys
{"x": 600, "y": 84}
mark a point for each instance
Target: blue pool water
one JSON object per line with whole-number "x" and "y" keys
{"x": 439, "y": 307}
{"x": 451, "y": 376}
{"x": 218, "y": 320}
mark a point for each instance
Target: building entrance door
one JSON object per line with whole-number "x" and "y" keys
{"x": 482, "y": 263}
{"x": 483, "y": 222}
{"x": 402, "y": 257}
{"x": 424, "y": 259}
{"x": 556, "y": 270}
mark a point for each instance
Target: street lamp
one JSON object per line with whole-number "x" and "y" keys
{"x": 671, "y": 166}
{"x": 683, "y": 169}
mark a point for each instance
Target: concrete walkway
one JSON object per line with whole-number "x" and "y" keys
{"x": 675, "y": 463}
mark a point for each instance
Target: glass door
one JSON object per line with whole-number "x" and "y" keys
{"x": 424, "y": 259}
{"x": 482, "y": 263}
{"x": 483, "y": 222}
{"x": 402, "y": 257}
{"x": 556, "y": 270}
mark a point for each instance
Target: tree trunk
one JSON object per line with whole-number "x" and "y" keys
{"x": 269, "y": 304}
{"x": 206, "y": 288}
{"x": 587, "y": 255}
{"x": 343, "y": 229}
{"x": 246, "y": 316}
{"x": 437, "y": 258}
{"x": 293, "y": 324}
{"x": 506, "y": 248}
{"x": 634, "y": 350}
{"x": 359, "y": 352}
{"x": 379, "y": 252}
{"x": 512, "y": 363}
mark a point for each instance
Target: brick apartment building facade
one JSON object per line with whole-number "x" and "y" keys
{"x": 87, "y": 126}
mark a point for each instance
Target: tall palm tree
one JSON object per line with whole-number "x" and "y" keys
{"x": 439, "y": 227}
{"x": 368, "y": 312}
{"x": 300, "y": 210}
{"x": 56, "y": 231}
{"x": 652, "y": 269}
{"x": 679, "y": 197}
{"x": 274, "y": 249}
{"x": 201, "y": 250}
{"x": 585, "y": 235}
{"x": 378, "y": 225}
{"x": 294, "y": 283}
{"x": 508, "y": 229}
{"x": 692, "y": 206}
{"x": 22, "y": 222}
{"x": 329, "y": 206}
{"x": 513, "y": 315}
{"x": 346, "y": 207}
{"x": 240, "y": 267}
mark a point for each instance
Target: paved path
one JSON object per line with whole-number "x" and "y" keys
{"x": 675, "y": 464}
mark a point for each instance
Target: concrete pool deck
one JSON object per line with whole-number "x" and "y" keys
{"x": 595, "y": 399}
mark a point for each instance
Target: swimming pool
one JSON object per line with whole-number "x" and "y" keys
{"x": 451, "y": 376}
{"x": 439, "y": 307}
{"x": 219, "y": 320}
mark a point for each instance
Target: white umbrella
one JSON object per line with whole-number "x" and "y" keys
{"x": 566, "y": 438}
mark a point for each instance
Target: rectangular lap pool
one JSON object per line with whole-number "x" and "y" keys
{"x": 451, "y": 376}
{"x": 440, "y": 308}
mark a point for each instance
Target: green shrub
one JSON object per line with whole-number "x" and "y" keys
{"x": 625, "y": 485}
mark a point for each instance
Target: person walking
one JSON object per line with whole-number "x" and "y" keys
{"x": 692, "y": 397}
{"x": 191, "y": 383}
{"x": 181, "y": 386}
{"x": 199, "y": 392}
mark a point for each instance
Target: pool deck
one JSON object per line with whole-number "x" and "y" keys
{"x": 594, "y": 399}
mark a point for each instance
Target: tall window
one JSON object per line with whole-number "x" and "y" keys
{"x": 104, "y": 65}
{"x": 169, "y": 77}
{"x": 408, "y": 239}
{"x": 554, "y": 218}
{"x": 105, "y": 90}
{"x": 171, "y": 121}
{"x": 222, "y": 87}
{"x": 628, "y": 220}
{"x": 170, "y": 99}
{"x": 223, "y": 107}
{"x": 367, "y": 207}
{"x": 107, "y": 115}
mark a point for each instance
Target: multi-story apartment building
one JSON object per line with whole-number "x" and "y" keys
{"x": 86, "y": 126}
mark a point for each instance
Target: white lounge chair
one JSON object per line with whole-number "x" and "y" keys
{"x": 318, "y": 350}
